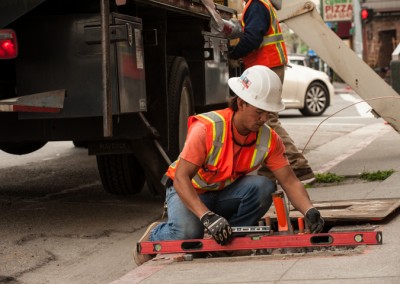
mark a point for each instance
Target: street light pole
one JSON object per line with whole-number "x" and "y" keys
{"x": 357, "y": 39}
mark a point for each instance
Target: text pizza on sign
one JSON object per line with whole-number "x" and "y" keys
{"x": 338, "y": 10}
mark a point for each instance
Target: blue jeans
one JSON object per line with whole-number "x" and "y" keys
{"x": 242, "y": 203}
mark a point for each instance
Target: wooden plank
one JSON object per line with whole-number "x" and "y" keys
{"x": 349, "y": 210}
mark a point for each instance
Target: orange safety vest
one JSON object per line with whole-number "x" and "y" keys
{"x": 272, "y": 51}
{"x": 218, "y": 170}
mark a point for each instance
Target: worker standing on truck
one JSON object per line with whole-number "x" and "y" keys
{"x": 261, "y": 43}
{"x": 209, "y": 186}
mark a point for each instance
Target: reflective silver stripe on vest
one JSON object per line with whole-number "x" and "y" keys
{"x": 262, "y": 146}
{"x": 272, "y": 39}
{"x": 219, "y": 133}
{"x": 173, "y": 165}
{"x": 281, "y": 53}
{"x": 275, "y": 38}
{"x": 202, "y": 184}
{"x": 279, "y": 42}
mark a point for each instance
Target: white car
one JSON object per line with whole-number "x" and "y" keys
{"x": 306, "y": 89}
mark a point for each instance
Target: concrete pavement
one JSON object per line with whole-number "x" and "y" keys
{"x": 341, "y": 88}
{"x": 369, "y": 149}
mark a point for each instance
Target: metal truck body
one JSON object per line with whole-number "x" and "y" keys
{"x": 164, "y": 64}
{"x": 131, "y": 108}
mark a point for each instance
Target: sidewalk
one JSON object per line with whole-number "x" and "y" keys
{"x": 372, "y": 264}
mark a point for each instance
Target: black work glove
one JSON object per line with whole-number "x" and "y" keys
{"x": 217, "y": 226}
{"x": 314, "y": 220}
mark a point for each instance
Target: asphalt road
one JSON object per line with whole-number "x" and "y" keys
{"x": 58, "y": 226}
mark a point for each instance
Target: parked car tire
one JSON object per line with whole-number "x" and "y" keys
{"x": 306, "y": 89}
{"x": 316, "y": 100}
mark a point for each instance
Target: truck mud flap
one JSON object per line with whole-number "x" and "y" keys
{"x": 52, "y": 101}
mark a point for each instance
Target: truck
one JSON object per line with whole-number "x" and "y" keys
{"x": 122, "y": 77}
{"x": 118, "y": 77}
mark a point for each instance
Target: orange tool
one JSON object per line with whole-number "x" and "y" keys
{"x": 281, "y": 212}
{"x": 300, "y": 222}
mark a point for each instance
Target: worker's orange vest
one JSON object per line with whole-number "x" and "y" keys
{"x": 272, "y": 51}
{"x": 218, "y": 170}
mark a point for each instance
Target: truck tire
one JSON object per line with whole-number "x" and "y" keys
{"x": 180, "y": 107}
{"x": 121, "y": 174}
{"x": 80, "y": 144}
{"x": 180, "y": 103}
{"x": 21, "y": 148}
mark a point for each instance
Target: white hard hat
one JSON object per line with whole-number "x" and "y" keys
{"x": 260, "y": 87}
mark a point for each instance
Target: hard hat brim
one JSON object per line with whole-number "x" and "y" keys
{"x": 237, "y": 87}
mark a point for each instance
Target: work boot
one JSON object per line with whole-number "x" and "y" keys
{"x": 304, "y": 174}
{"x": 142, "y": 258}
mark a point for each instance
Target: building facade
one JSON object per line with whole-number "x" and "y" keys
{"x": 381, "y": 33}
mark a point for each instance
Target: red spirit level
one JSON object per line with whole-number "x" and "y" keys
{"x": 263, "y": 242}
{"x": 261, "y": 237}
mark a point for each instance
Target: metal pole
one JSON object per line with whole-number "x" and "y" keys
{"x": 106, "y": 83}
{"x": 357, "y": 41}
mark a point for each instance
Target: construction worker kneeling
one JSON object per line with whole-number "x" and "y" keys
{"x": 209, "y": 186}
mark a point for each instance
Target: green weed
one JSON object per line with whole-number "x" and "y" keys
{"x": 308, "y": 185}
{"x": 328, "y": 178}
{"x": 374, "y": 176}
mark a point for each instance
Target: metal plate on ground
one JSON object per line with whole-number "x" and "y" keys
{"x": 350, "y": 210}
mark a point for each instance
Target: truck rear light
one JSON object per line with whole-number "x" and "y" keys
{"x": 8, "y": 44}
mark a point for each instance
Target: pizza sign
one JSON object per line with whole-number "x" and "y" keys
{"x": 337, "y": 10}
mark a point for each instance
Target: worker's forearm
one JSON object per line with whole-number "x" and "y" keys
{"x": 189, "y": 197}
{"x": 299, "y": 198}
